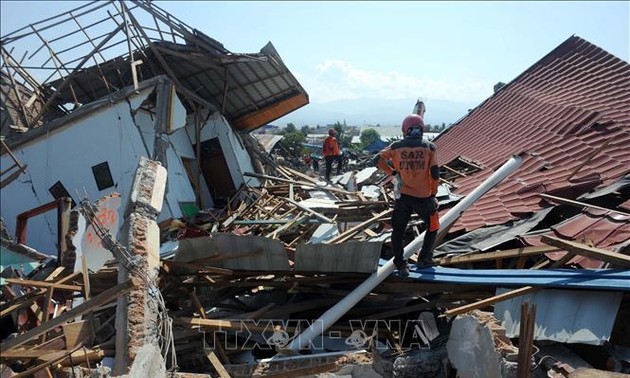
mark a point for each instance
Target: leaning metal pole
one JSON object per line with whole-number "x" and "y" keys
{"x": 338, "y": 310}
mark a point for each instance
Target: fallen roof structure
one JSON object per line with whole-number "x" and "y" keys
{"x": 48, "y": 71}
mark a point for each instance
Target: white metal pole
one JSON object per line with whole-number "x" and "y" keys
{"x": 337, "y": 311}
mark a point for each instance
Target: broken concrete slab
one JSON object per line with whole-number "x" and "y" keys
{"x": 478, "y": 348}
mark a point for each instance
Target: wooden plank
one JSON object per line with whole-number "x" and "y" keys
{"x": 78, "y": 332}
{"x": 86, "y": 277}
{"x": 238, "y": 325}
{"x": 20, "y": 302}
{"x": 45, "y": 354}
{"x": 68, "y": 278}
{"x": 45, "y": 315}
{"x": 309, "y": 210}
{"x": 562, "y": 261}
{"x": 565, "y": 201}
{"x": 218, "y": 366}
{"x": 408, "y": 309}
{"x": 307, "y": 184}
{"x": 490, "y": 301}
{"x": 614, "y": 258}
{"x": 54, "y": 358}
{"x": 485, "y": 256}
{"x": 54, "y": 274}
{"x": 197, "y": 304}
{"x": 358, "y": 228}
{"x": 44, "y": 284}
{"x": 101, "y": 299}
{"x": 196, "y": 267}
{"x": 526, "y": 340}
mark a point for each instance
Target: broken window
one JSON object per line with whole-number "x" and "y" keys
{"x": 60, "y": 191}
{"x": 103, "y": 176}
{"x": 459, "y": 167}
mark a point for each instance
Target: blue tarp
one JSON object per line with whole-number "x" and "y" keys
{"x": 376, "y": 146}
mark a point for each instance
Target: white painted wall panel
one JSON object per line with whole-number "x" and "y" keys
{"x": 68, "y": 155}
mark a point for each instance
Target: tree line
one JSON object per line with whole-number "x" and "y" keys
{"x": 293, "y": 138}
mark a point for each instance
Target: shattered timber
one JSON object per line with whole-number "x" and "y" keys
{"x": 146, "y": 231}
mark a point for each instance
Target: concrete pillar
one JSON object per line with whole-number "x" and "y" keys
{"x": 136, "y": 314}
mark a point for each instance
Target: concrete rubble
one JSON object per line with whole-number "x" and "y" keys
{"x": 195, "y": 251}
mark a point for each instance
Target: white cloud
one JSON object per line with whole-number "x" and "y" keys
{"x": 338, "y": 80}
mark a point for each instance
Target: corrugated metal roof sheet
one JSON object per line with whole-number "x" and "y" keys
{"x": 562, "y": 315}
{"x": 267, "y": 254}
{"x": 605, "y": 279}
{"x": 559, "y": 111}
{"x": 359, "y": 257}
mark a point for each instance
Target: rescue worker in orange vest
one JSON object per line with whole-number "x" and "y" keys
{"x": 413, "y": 162}
{"x": 331, "y": 153}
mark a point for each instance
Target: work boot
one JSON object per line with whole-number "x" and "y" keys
{"x": 425, "y": 263}
{"x": 403, "y": 270}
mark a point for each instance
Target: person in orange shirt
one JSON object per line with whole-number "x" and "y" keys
{"x": 413, "y": 162}
{"x": 331, "y": 153}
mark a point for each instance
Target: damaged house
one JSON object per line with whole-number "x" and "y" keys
{"x": 279, "y": 275}
{"x": 80, "y": 118}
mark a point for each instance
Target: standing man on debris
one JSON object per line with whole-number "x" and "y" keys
{"x": 331, "y": 153}
{"x": 413, "y": 163}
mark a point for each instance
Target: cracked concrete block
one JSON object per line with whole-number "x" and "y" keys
{"x": 472, "y": 350}
{"x": 148, "y": 186}
{"x": 148, "y": 363}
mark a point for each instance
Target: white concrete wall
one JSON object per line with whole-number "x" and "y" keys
{"x": 68, "y": 153}
{"x": 236, "y": 156}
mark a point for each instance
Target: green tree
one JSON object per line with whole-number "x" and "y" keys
{"x": 292, "y": 142}
{"x": 343, "y": 139}
{"x": 305, "y": 130}
{"x": 290, "y": 128}
{"x": 368, "y": 136}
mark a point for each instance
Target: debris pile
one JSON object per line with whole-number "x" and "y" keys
{"x": 216, "y": 259}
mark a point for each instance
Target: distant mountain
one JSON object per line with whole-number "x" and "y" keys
{"x": 372, "y": 111}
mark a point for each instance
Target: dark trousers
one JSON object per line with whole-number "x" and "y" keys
{"x": 403, "y": 208}
{"x": 329, "y": 161}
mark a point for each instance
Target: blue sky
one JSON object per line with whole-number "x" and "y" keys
{"x": 434, "y": 50}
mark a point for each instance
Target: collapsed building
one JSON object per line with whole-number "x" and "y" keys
{"x": 204, "y": 257}
{"x": 176, "y": 96}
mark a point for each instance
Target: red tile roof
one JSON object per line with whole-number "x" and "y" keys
{"x": 569, "y": 111}
{"x": 597, "y": 228}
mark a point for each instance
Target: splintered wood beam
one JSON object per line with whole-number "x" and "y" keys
{"x": 497, "y": 255}
{"x": 490, "y": 301}
{"x": 614, "y": 258}
{"x": 101, "y": 299}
